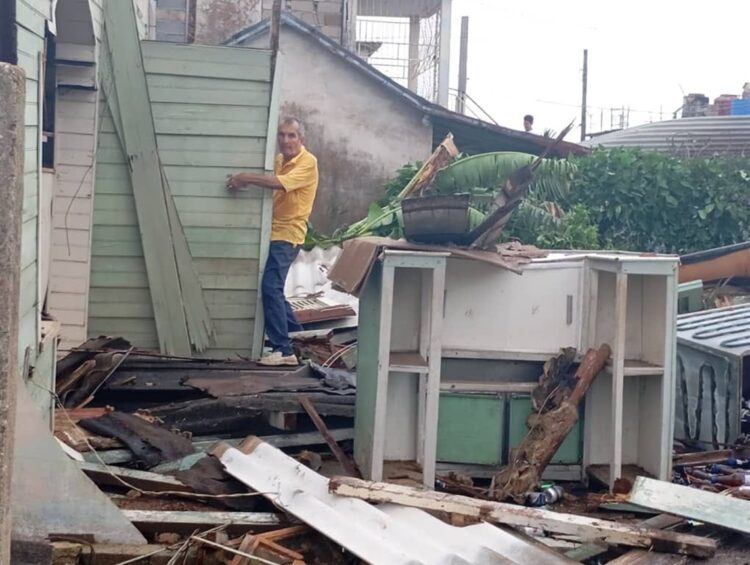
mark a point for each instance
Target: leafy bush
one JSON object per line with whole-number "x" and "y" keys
{"x": 645, "y": 201}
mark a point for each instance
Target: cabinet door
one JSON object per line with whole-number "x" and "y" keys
{"x": 470, "y": 429}
{"x": 488, "y": 309}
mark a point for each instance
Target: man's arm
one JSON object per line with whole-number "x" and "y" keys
{"x": 239, "y": 180}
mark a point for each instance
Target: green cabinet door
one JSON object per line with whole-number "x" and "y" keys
{"x": 470, "y": 428}
{"x": 570, "y": 452}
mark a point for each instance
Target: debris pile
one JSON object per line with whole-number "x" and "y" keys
{"x": 228, "y": 462}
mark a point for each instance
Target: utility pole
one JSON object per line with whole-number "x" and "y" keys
{"x": 462, "y": 66}
{"x": 13, "y": 95}
{"x": 275, "y": 30}
{"x": 444, "y": 58}
{"x": 583, "y": 97}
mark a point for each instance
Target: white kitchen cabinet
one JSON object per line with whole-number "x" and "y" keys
{"x": 572, "y": 299}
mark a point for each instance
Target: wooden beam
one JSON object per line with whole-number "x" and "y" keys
{"x": 154, "y": 521}
{"x": 145, "y": 170}
{"x": 144, "y": 480}
{"x": 510, "y": 514}
{"x": 119, "y": 456}
{"x": 712, "y": 508}
{"x": 346, "y": 463}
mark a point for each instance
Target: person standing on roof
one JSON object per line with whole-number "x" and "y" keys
{"x": 528, "y": 123}
{"x": 294, "y": 184}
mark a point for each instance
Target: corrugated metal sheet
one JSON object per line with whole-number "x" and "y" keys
{"x": 726, "y": 330}
{"x": 711, "y": 346}
{"x": 728, "y": 135}
{"x": 377, "y": 534}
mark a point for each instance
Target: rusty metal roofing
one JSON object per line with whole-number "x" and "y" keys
{"x": 724, "y": 329}
{"x": 727, "y": 135}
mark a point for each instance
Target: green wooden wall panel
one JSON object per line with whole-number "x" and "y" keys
{"x": 202, "y": 90}
{"x": 258, "y": 59}
{"x": 238, "y": 236}
{"x": 115, "y": 309}
{"x": 210, "y": 250}
{"x": 27, "y": 300}
{"x": 41, "y": 7}
{"x": 208, "y": 177}
{"x": 120, "y": 295}
{"x": 29, "y": 248}
{"x": 30, "y": 17}
{"x": 211, "y": 117}
{"x": 102, "y": 279}
{"x": 207, "y": 127}
{"x": 195, "y": 157}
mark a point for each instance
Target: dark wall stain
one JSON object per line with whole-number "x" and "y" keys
{"x": 349, "y": 179}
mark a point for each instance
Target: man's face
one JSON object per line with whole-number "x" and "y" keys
{"x": 527, "y": 125}
{"x": 290, "y": 141}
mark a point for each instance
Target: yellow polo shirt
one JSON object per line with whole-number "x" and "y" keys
{"x": 293, "y": 204}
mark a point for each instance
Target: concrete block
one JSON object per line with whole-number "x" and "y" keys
{"x": 13, "y": 97}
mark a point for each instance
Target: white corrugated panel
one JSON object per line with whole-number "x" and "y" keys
{"x": 728, "y": 135}
{"x": 385, "y": 534}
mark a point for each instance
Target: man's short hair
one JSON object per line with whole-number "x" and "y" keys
{"x": 292, "y": 120}
{"x": 528, "y": 118}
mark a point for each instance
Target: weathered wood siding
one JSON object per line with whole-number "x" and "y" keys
{"x": 31, "y": 17}
{"x": 78, "y": 26}
{"x": 211, "y": 114}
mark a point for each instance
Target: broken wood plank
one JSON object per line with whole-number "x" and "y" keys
{"x": 346, "y": 463}
{"x": 157, "y": 521}
{"x": 150, "y": 443}
{"x": 141, "y": 150}
{"x": 510, "y": 514}
{"x": 708, "y": 457}
{"x": 725, "y": 511}
{"x": 144, "y": 480}
{"x": 589, "y": 550}
{"x": 69, "y": 553}
{"x": 120, "y": 456}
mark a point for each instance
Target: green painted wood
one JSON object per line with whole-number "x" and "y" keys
{"x": 121, "y": 295}
{"x": 267, "y": 206}
{"x": 203, "y": 90}
{"x": 257, "y": 59}
{"x": 570, "y": 452}
{"x": 223, "y": 231}
{"x": 119, "y": 280}
{"x": 29, "y": 248}
{"x": 27, "y": 300}
{"x": 368, "y": 345}
{"x": 236, "y": 251}
{"x": 30, "y": 17}
{"x": 115, "y": 309}
{"x": 470, "y": 429}
{"x": 140, "y": 144}
{"x": 199, "y": 323}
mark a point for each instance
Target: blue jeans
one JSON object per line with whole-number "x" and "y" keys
{"x": 278, "y": 313}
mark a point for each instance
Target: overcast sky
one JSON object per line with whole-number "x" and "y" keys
{"x": 526, "y": 57}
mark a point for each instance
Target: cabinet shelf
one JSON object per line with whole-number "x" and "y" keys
{"x": 407, "y": 362}
{"x": 636, "y": 368}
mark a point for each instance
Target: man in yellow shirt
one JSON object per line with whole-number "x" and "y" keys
{"x": 294, "y": 183}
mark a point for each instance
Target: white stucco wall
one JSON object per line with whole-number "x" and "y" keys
{"x": 360, "y": 132}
